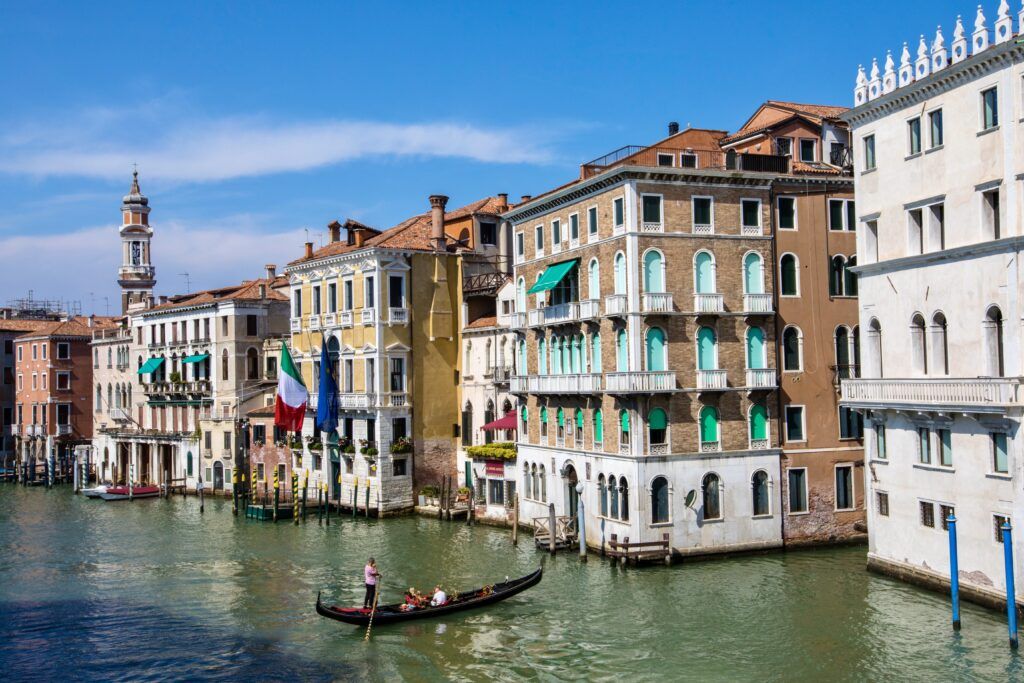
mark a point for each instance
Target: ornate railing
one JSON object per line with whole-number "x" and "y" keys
{"x": 640, "y": 382}
{"x": 708, "y": 303}
{"x": 711, "y": 380}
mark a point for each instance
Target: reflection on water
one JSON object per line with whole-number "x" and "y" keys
{"x": 153, "y": 590}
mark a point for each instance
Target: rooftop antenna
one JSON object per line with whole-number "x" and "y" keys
{"x": 188, "y": 282}
{"x": 92, "y": 303}
{"x": 106, "y": 305}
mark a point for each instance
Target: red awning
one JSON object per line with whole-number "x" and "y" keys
{"x": 507, "y": 422}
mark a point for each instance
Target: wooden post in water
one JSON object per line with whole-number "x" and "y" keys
{"x": 295, "y": 498}
{"x": 469, "y": 508}
{"x": 367, "y": 497}
{"x": 552, "y": 530}
{"x": 234, "y": 491}
{"x": 319, "y": 505}
{"x": 355, "y": 494}
{"x": 327, "y": 503}
{"x": 305, "y": 489}
{"x": 515, "y": 519}
{"x": 202, "y": 501}
{"x": 277, "y": 493}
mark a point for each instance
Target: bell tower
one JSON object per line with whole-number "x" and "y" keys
{"x": 136, "y": 276}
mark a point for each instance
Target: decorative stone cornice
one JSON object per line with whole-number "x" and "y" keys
{"x": 962, "y": 253}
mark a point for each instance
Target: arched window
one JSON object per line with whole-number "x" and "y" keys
{"x": 577, "y": 354}
{"x": 657, "y": 424}
{"x": 110, "y": 357}
{"x": 556, "y": 355}
{"x": 99, "y": 398}
{"x": 252, "y": 364}
{"x": 659, "y": 501}
{"x": 792, "y": 349}
{"x": 488, "y": 361}
{"x": 110, "y": 396}
{"x": 918, "y": 352}
{"x": 524, "y": 415}
{"x": 759, "y": 492}
{"x": 836, "y": 275}
{"x": 598, "y": 427}
{"x": 623, "y": 427}
{"x": 707, "y": 349}
{"x": 613, "y": 495}
{"x": 704, "y": 273}
{"x": 855, "y": 371}
{"x": 594, "y": 280}
{"x": 521, "y": 295}
{"x": 753, "y": 274}
{"x": 139, "y": 366}
{"x": 542, "y": 357}
{"x": 709, "y": 428}
{"x": 543, "y": 485}
{"x": 595, "y": 353}
{"x": 223, "y": 365}
{"x": 467, "y": 424}
{"x": 527, "y": 490}
{"x": 656, "y": 350}
{"x": 842, "y": 348}
{"x": 620, "y": 273}
{"x": 544, "y": 421}
{"x": 566, "y": 356}
{"x": 623, "y": 499}
{"x": 522, "y": 369}
{"x": 535, "y": 482}
{"x": 756, "y": 356}
{"x": 789, "y": 275}
{"x": 621, "y": 352}
{"x": 875, "y": 346}
{"x": 994, "y": 341}
{"x": 560, "y": 417}
{"x": 117, "y": 397}
{"x": 850, "y": 278}
{"x": 188, "y": 464}
{"x": 602, "y": 496}
{"x": 758, "y": 426}
{"x": 940, "y": 345}
{"x": 467, "y": 362}
{"x": 579, "y": 428}
{"x": 710, "y": 489}
{"x": 654, "y": 272}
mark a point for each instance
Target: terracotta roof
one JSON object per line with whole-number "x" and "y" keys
{"x": 262, "y": 411}
{"x": 412, "y": 233}
{"x": 74, "y": 327}
{"x": 483, "y": 321}
{"x": 823, "y": 111}
{"x": 20, "y": 325}
{"x": 815, "y": 113}
{"x": 247, "y": 291}
{"x": 825, "y": 169}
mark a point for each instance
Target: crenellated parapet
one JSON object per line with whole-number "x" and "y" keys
{"x": 935, "y": 57}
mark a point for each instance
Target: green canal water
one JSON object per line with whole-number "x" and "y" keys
{"x": 151, "y": 590}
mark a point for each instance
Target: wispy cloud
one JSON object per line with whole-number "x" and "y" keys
{"x": 102, "y": 143}
{"x": 83, "y": 264}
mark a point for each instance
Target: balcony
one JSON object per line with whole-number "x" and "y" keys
{"x": 590, "y": 309}
{"x": 970, "y": 395}
{"x": 352, "y": 400}
{"x": 120, "y": 415}
{"x": 517, "y": 320}
{"x": 751, "y": 230}
{"x": 501, "y": 374}
{"x": 368, "y": 316}
{"x": 556, "y": 384}
{"x": 686, "y": 160}
{"x": 711, "y": 380}
{"x": 710, "y": 446}
{"x": 330, "y": 320}
{"x": 652, "y": 226}
{"x": 314, "y": 322}
{"x": 760, "y": 444}
{"x": 63, "y": 430}
{"x": 658, "y": 449}
{"x": 760, "y": 378}
{"x": 640, "y": 382}
{"x": 757, "y": 304}
{"x": 615, "y": 304}
{"x": 708, "y": 303}
{"x": 703, "y": 229}
{"x": 398, "y": 316}
{"x": 656, "y": 302}
{"x": 296, "y": 326}
{"x": 198, "y": 386}
{"x": 553, "y": 315}
{"x": 398, "y": 399}
{"x": 345, "y": 318}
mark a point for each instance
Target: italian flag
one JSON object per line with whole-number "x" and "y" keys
{"x": 290, "y": 407}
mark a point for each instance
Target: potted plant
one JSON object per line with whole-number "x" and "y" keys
{"x": 428, "y": 495}
{"x": 175, "y": 378}
{"x": 462, "y": 494}
{"x": 402, "y": 445}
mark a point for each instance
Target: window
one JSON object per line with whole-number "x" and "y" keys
{"x": 790, "y": 283}
{"x": 397, "y": 375}
{"x": 657, "y": 423}
{"x": 556, "y": 233}
{"x": 659, "y": 501}
{"x": 945, "y": 448}
{"x": 710, "y": 494}
{"x": 993, "y": 337}
{"x": 63, "y": 381}
{"x": 316, "y": 299}
{"x": 687, "y": 160}
{"x": 619, "y": 212}
{"x": 63, "y": 351}
{"x": 842, "y": 215}
{"x": 488, "y": 233}
{"x": 348, "y": 298}
{"x": 35, "y": 352}
{"x": 808, "y": 149}
{"x": 538, "y": 236}
{"x": 651, "y": 209}
{"x": 940, "y": 347}
{"x": 759, "y": 493}
{"x": 869, "y": 152}
{"x": 400, "y": 467}
{"x": 935, "y": 129}
{"x": 797, "y": 490}
{"x": 882, "y": 503}
{"x": 915, "y": 231}
{"x": 914, "y": 136}
{"x": 792, "y": 349}
{"x": 990, "y": 218}
{"x": 927, "y": 514}
{"x": 787, "y": 213}
{"x": 709, "y": 429}
{"x": 784, "y": 147}
{"x": 880, "y": 442}
{"x": 332, "y": 297}
{"x": 543, "y": 422}
{"x": 598, "y": 427}
{"x": 665, "y": 159}
{"x": 703, "y": 214}
{"x": 750, "y": 210}
{"x": 844, "y": 487}
{"x": 1000, "y": 462}
{"x": 998, "y": 522}
{"x": 794, "y": 423}
{"x": 851, "y": 424}
{"x": 989, "y": 109}
{"x": 945, "y": 512}
{"x": 936, "y": 216}
{"x": 623, "y": 428}
{"x": 592, "y": 220}
{"x": 924, "y": 448}
{"x": 297, "y": 303}
{"x": 21, "y": 347}
{"x": 251, "y": 323}
{"x": 704, "y": 273}
{"x": 369, "y": 292}
{"x": 227, "y": 441}
{"x": 520, "y": 245}
{"x": 574, "y": 228}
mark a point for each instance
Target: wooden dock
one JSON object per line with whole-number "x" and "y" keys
{"x": 566, "y": 534}
{"x": 635, "y": 553}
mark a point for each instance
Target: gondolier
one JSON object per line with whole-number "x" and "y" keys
{"x": 370, "y": 575}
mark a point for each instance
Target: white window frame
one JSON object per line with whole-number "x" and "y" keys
{"x": 888, "y": 505}
{"x": 538, "y": 240}
{"x": 911, "y": 154}
{"x": 556, "y": 227}
{"x": 800, "y": 348}
{"x": 671, "y": 158}
{"x": 593, "y": 231}
{"x": 814, "y": 151}
{"x": 520, "y": 245}
{"x": 771, "y": 498}
{"x": 845, "y": 223}
{"x": 661, "y": 208}
{"x": 932, "y": 145}
{"x": 803, "y": 422}
{"x": 796, "y": 212}
{"x": 64, "y": 374}
{"x": 574, "y": 242}
{"x": 864, "y": 148}
{"x": 619, "y": 202}
{"x": 693, "y": 213}
{"x": 696, "y": 160}
{"x": 760, "y": 217}
{"x": 981, "y": 108}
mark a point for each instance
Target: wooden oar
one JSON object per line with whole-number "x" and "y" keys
{"x": 373, "y": 610}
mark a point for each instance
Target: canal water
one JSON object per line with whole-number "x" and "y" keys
{"x": 151, "y": 590}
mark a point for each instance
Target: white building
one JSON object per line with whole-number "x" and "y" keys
{"x": 939, "y": 160}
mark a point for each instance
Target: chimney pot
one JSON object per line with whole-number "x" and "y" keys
{"x": 335, "y": 228}
{"x": 526, "y": 198}
{"x": 437, "y": 205}
{"x": 673, "y": 127}
{"x": 358, "y": 236}
{"x": 263, "y": 291}
{"x": 271, "y": 271}
{"x": 309, "y": 250}
{"x": 502, "y": 201}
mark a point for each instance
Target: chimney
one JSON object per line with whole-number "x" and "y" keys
{"x": 263, "y": 291}
{"x": 437, "y": 204}
{"x": 335, "y": 228}
{"x": 673, "y": 127}
{"x": 271, "y": 271}
{"x": 309, "y": 250}
{"x": 92, "y": 319}
{"x": 358, "y": 236}
{"x": 502, "y": 202}
{"x": 526, "y": 198}
{"x": 163, "y": 298}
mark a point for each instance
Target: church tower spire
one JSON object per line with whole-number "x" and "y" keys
{"x": 136, "y": 276}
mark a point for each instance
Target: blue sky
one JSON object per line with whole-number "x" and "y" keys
{"x": 253, "y": 122}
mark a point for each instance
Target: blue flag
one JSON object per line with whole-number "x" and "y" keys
{"x": 327, "y": 402}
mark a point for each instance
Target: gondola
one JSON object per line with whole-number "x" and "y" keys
{"x": 122, "y": 492}
{"x": 389, "y": 614}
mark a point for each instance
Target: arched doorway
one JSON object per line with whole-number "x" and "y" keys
{"x": 218, "y": 476}
{"x": 572, "y": 498}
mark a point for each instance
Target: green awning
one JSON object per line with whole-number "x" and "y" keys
{"x": 150, "y": 365}
{"x": 552, "y": 276}
{"x": 195, "y": 359}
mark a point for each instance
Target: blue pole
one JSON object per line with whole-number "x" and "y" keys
{"x": 954, "y": 571}
{"x": 1011, "y": 593}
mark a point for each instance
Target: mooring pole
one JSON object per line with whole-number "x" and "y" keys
{"x": 305, "y": 490}
{"x": 954, "y": 571}
{"x": 327, "y": 502}
{"x": 552, "y": 528}
{"x": 295, "y": 498}
{"x": 277, "y": 493}
{"x": 515, "y": 519}
{"x": 355, "y": 495}
{"x": 579, "y": 518}
{"x": 202, "y": 500}
{"x": 1011, "y": 592}
{"x": 319, "y": 505}
{"x": 234, "y": 491}
{"x": 367, "y": 497}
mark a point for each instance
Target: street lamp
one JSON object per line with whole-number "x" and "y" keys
{"x": 580, "y": 516}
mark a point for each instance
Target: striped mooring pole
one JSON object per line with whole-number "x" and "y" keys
{"x": 1011, "y": 592}
{"x": 954, "y": 571}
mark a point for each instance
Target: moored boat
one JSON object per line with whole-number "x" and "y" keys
{"x": 95, "y": 491}
{"x": 121, "y": 492}
{"x": 387, "y": 614}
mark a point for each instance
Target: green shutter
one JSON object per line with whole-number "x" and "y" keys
{"x": 579, "y": 419}
{"x": 657, "y": 419}
{"x": 543, "y": 414}
{"x": 758, "y": 422}
{"x": 525, "y": 414}
{"x": 598, "y": 425}
{"x": 708, "y": 424}
{"x": 624, "y": 418}
{"x": 561, "y": 418}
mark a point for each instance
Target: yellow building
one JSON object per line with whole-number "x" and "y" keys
{"x": 387, "y": 304}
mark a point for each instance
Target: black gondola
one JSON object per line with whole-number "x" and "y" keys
{"x": 388, "y": 614}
